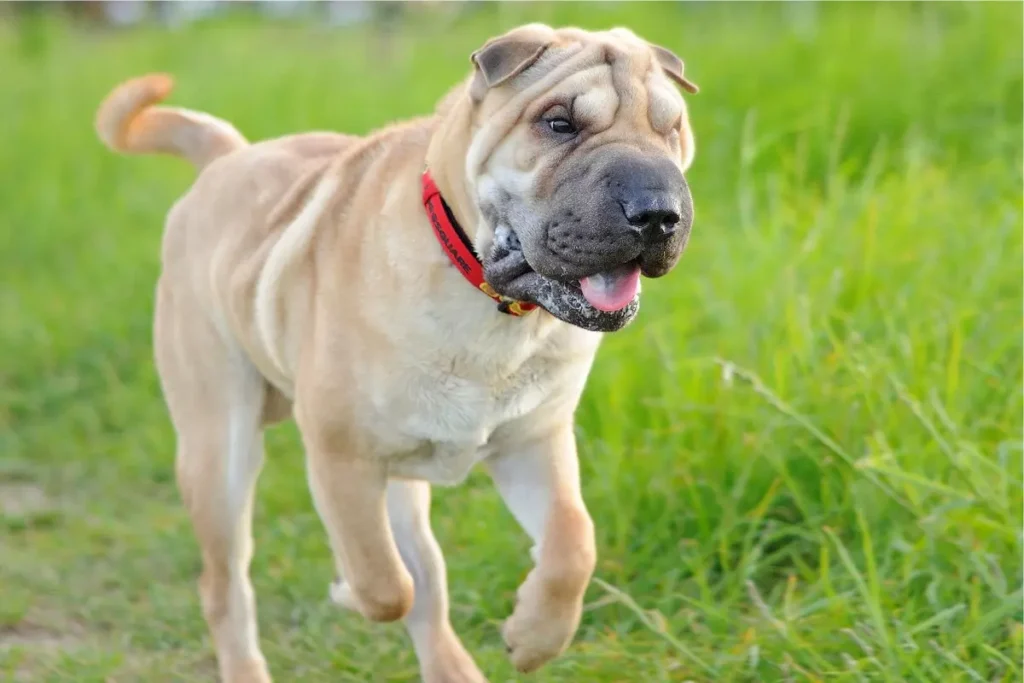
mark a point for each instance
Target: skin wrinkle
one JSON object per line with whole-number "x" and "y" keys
{"x": 662, "y": 98}
{"x": 582, "y": 170}
{"x": 552, "y": 58}
{"x": 544, "y": 102}
{"x": 621, "y": 80}
{"x": 618, "y": 99}
{"x": 504, "y": 222}
{"x": 476, "y": 163}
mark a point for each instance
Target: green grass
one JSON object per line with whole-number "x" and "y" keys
{"x": 803, "y": 460}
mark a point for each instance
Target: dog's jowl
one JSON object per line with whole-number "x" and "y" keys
{"x": 421, "y": 300}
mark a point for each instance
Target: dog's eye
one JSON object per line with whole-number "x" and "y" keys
{"x": 561, "y": 126}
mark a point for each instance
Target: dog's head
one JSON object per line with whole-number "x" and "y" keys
{"x": 577, "y": 156}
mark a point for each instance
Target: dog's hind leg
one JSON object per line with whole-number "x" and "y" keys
{"x": 442, "y": 657}
{"x": 216, "y": 401}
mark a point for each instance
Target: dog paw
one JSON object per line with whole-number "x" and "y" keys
{"x": 538, "y": 630}
{"x": 380, "y": 606}
{"x": 452, "y": 666}
{"x": 252, "y": 670}
{"x": 342, "y": 596}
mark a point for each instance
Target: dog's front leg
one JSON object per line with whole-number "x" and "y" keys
{"x": 349, "y": 486}
{"x": 539, "y": 482}
{"x": 442, "y": 656}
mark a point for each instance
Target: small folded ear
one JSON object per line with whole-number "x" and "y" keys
{"x": 673, "y": 67}
{"x": 503, "y": 57}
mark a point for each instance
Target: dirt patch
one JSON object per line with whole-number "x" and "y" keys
{"x": 20, "y": 499}
{"x": 42, "y": 628}
{"x": 34, "y": 637}
{"x": 40, "y": 644}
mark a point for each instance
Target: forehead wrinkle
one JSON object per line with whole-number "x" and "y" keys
{"x": 597, "y": 107}
{"x": 630, "y": 97}
{"x": 580, "y": 85}
{"x": 550, "y": 60}
{"x": 575, "y": 63}
{"x": 664, "y": 104}
{"x": 508, "y": 115}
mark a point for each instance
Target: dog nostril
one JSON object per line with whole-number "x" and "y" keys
{"x": 668, "y": 223}
{"x": 654, "y": 221}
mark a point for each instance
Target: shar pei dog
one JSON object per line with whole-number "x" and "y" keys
{"x": 421, "y": 300}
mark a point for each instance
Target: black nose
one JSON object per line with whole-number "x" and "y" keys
{"x": 652, "y": 194}
{"x": 652, "y": 214}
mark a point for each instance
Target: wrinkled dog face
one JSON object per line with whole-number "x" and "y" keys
{"x": 577, "y": 165}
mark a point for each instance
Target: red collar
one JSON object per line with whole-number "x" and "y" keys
{"x": 460, "y": 251}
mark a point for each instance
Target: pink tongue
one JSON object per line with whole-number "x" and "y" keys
{"x": 612, "y": 290}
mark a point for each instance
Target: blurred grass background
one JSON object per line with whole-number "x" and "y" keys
{"x": 803, "y": 460}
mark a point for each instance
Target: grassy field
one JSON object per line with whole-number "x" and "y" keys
{"x": 804, "y": 459}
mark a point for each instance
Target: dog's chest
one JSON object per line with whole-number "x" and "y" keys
{"x": 443, "y": 422}
{"x": 442, "y": 412}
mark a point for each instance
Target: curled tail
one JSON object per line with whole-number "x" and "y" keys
{"x": 129, "y": 122}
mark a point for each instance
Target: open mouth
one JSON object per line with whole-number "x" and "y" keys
{"x": 612, "y": 290}
{"x": 603, "y": 301}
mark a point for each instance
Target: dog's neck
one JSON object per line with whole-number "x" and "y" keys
{"x": 446, "y": 157}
